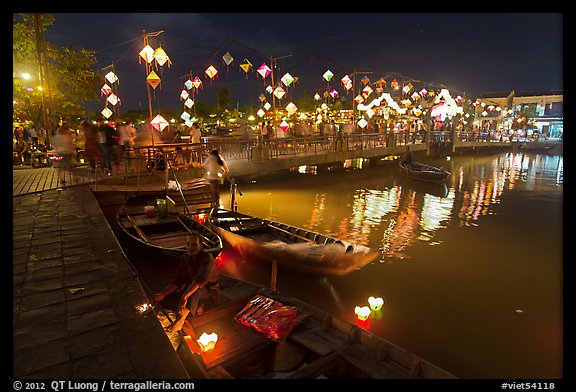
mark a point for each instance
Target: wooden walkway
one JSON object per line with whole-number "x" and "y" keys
{"x": 27, "y": 180}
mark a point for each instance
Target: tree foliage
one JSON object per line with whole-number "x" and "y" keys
{"x": 73, "y": 81}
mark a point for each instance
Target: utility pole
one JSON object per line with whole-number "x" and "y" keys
{"x": 146, "y": 35}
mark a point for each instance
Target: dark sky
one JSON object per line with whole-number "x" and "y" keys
{"x": 468, "y": 52}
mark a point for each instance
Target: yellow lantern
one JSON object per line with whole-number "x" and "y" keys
{"x": 362, "y": 312}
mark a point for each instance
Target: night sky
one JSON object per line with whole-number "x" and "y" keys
{"x": 467, "y": 53}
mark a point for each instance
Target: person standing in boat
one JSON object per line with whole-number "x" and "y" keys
{"x": 197, "y": 280}
{"x": 216, "y": 170}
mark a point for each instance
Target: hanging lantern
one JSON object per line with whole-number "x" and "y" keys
{"x": 159, "y": 123}
{"x": 366, "y": 91}
{"x": 358, "y": 99}
{"x": 381, "y": 82}
{"x": 189, "y": 122}
{"x": 375, "y": 303}
{"x": 264, "y": 71}
{"x": 147, "y": 54}
{"x": 184, "y": 94}
{"x": 188, "y": 84}
{"x": 267, "y": 106}
{"x": 189, "y": 103}
{"x": 394, "y": 84}
{"x": 260, "y": 112}
{"x": 347, "y": 82}
{"x": 161, "y": 57}
{"x": 362, "y": 312}
{"x": 153, "y": 80}
{"x": 287, "y": 79}
{"x": 423, "y": 92}
{"x": 185, "y": 116}
{"x": 365, "y": 80}
{"x": 246, "y": 67}
{"x": 196, "y": 83}
{"x": 262, "y": 97}
{"x": 111, "y": 77}
{"x": 317, "y": 97}
{"x": 279, "y": 92}
{"x": 284, "y": 125}
{"x": 369, "y": 113}
{"x": 105, "y": 90}
{"x": 334, "y": 93}
{"x": 113, "y": 99}
{"x": 211, "y": 72}
{"x": 207, "y": 341}
{"x": 328, "y": 75}
{"x": 362, "y": 123}
{"x": 415, "y": 96}
{"x": 106, "y": 112}
{"x": 227, "y": 58}
{"x": 291, "y": 108}
{"x": 269, "y": 89}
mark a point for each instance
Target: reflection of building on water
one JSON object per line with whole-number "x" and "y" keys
{"x": 317, "y": 211}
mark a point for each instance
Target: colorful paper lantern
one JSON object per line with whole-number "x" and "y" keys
{"x": 106, "y": 112}
{"x": 211, "y": 72}
{"x": 153, "y": 79}
{"x": 113, "y": 99}
{"x": 189, "y": 103}
{"x": 334, "y": 93}
{"x": 365, "y": 80}
{"x": 291, "y": 108}
{"x": 147, "y": 54}
{"x": 366, "y": 91}
{"x": 159, "y": 123}
{"x": 228, "y": 58}
{"x": 246, "y": 67}
{"x": 284, "y": 126}
{"x": 260, "y": 112}
{"x": 111, "y": 77}
{"x": 267, "y": 106}
{"x": 196, "y": 83}
{"x": 347, "y": 82}
{"x": 279, "y": 92}
{"x": 184, "y": 94}
{"x": 328, "y": 75}
{"x": 185, "y": 116}
{"x": 161, "y": 57}
{"x": 105, "y": 90}
{"x": 287, "y": 79}
{"x": 188, "y": 84}
{"x": 264, "y": 71}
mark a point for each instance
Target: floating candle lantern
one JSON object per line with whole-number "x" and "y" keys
{"x": 207, "y": 341}
{"x": 362, "y": 312}
{"x": 375, "y": 303}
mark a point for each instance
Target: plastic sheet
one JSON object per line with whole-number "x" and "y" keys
{"x": 269, "y": 317}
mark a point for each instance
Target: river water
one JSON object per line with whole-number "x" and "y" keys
{"x": 471, "y": 274}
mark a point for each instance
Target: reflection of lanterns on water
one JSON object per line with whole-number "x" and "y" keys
{"x": 362, "y": 312}
{"x": 364, "y": 324}
{"x": 375, "y": 303}
{"x": 207, "y": 341}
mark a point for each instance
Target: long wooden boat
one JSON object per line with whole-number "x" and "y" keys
{"x": 265, "y": 334}
{"x": 291, "y": 247}
{"x": 422, "y": 172}
{"x": 161, "y": 233}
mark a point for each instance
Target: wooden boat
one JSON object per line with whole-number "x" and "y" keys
{"x": 422, "y": 172}
{"x": 254, "y": 341}
{"x": 164, "y": 234}
{"x": 293, "y": 248}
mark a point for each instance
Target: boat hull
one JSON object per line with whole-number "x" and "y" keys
{"x": 307, "y": 252}
{"x": 422, "y": 172}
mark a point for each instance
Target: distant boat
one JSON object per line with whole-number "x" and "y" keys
{"x": 265, "y": 334}
{"x": 422, "y": 172}
{"x": 292, "y": 247}
{"x": 140, "y": 220}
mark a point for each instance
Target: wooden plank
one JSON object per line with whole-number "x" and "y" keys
{"x": 362, "y": 358}
{"x": 317, "y": 367}
{"x": 138, "y": 230}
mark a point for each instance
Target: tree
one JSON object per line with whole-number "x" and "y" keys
{"x": 73, "y": 82}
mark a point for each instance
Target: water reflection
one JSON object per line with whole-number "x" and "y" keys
{"x": 467, "y": 248}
